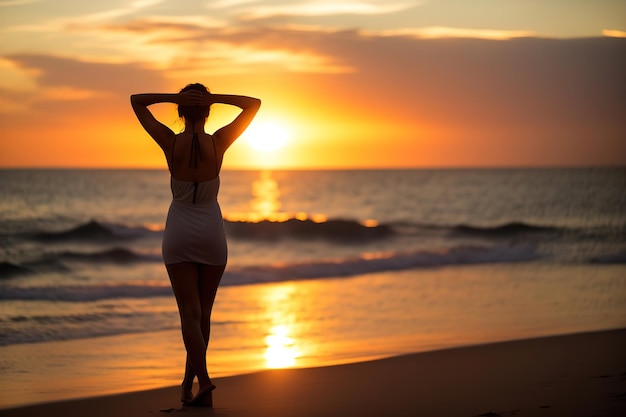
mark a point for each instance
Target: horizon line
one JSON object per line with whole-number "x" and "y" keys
{"x": 355, "y": 168}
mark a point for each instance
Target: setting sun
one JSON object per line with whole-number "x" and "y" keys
{"x": 266, "y": 136}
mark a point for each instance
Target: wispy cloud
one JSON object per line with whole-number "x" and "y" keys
{"x": 162, "y": 25}
{"x": 437, "y": 32}
{"x": 12, "y": 77}
{"x": 323, "y": 8}
{"x": 53, "y": 72}
{"x": 141, "y": 4}
{"x": 21, "y": 87}
{"x": 67, "y": 93}
{"x": 224, "y": 4}
{"x": 229, "y": 60}
{"x": 224, "y": 49}
{"x": 9, "y": 3}
{"x": 62, "y": 23}
{"x": 614, "y": 33}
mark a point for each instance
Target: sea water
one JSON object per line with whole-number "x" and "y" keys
{"x": 324, "y": 267}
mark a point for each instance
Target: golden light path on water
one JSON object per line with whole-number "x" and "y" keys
{"x": 265, "y": 204}
{"x": 286, "y": 343}
{"x": 266, "y": 196}
{"x": 282, "y": 350}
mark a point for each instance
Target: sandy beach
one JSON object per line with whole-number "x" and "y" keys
{"x": 571, "y": 375}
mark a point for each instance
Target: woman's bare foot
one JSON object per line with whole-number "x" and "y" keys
{"x": 186, "y": 392}
{"x": 204, "y": 398}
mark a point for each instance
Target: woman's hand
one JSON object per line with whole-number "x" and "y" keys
{"x": 193, "y": 98}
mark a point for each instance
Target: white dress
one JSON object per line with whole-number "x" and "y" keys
{"x": 194, "y": 230}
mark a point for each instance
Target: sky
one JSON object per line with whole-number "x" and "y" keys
{"x": 344, "y": 83}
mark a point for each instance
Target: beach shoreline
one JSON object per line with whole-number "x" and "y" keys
{"x": 469, "y": 313}
{"x": 569, "y": 375}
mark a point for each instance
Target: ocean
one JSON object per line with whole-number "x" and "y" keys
{"x": 324, "y": 267}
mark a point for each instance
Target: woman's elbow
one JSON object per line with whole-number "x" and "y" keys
{"x": 255, "y": 102}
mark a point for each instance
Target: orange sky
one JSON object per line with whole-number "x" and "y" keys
{"x": 377, "y": 93}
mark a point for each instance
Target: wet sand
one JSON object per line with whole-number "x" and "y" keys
{"x": 572, "y": 375}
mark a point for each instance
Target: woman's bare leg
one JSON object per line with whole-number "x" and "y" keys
{"x": 195, "y": 287}
{"x": 210, "y": 276}
{"x": 187, "y": 385}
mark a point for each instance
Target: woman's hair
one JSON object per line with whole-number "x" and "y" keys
{"x": 193, "y": 113}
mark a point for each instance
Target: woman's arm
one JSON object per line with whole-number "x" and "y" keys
{"x": 140, "y": 102}
{"x": 229, "y": 133}
{"x": 159, "y": 132}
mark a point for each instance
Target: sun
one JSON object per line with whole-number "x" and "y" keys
{"x": 266, "y": 136}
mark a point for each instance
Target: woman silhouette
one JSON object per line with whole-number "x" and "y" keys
{"x": 194, "y": 244}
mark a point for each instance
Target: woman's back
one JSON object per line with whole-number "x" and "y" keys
{"x": 194, "y": 157}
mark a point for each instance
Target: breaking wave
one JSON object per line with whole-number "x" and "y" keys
{"x": 93, "y": 231}
{"x": 345, "y": 267}
{"x": 507, "y": 229}
{"x": 9, "y": 270}
{"x": 115, "y": 255}
{"x": 331, "y": 229}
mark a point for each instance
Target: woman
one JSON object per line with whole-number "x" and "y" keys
{"x": 194, "y": 244}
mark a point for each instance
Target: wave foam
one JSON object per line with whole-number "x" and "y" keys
{"x": 381, "y": 262}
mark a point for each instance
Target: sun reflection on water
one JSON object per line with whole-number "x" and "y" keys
{"x": 265, "y": 204}
{"x": 266, "y": 196}
{"x": 281, "y": 345}
{"x": 280, "y": 352}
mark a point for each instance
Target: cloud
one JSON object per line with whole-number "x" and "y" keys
{"x": 438, "y": 32}
{"x": 322, "y": 8}
{"x": 614, "y": 33}
{"x": 520, "y": 82}
{"x": 82, "y": 20}
{"x": 46, "y": 79}
{"x": 15, "y": 78}
{"x": 142, "y": 4}
{"x": 157, "y": 24}
{"x": 224, "y": 4}
{"x": 55, "y": 71}
{"x": 524, "y": 87}
{"x": 10, "y": 3}
{"x": 68, "y": 94}
{"x": 224, "y": 50}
